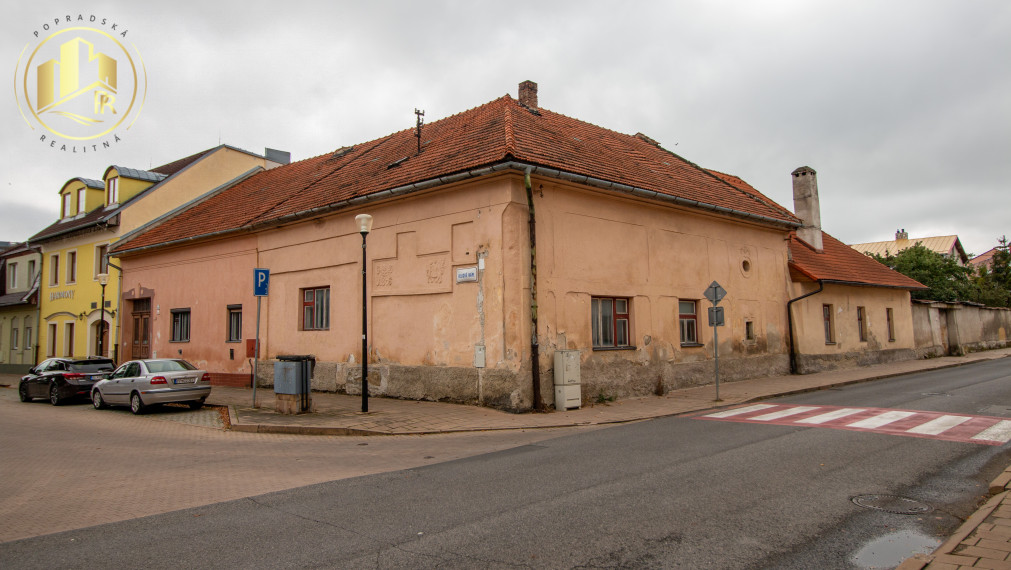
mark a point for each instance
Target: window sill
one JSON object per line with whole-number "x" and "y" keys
{"x": 607, "y": 348}
{"x": 234, "y": 341}
{"x": 829, "y": 344}
{"x": 179, "y": 341}
{"x": 692, "y": 345}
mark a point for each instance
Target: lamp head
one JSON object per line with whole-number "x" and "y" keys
{"x": 103, "y": 278}
{"x": 364, "y": 223}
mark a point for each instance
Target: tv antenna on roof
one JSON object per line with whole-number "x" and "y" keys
{"x": 417, "y": 129}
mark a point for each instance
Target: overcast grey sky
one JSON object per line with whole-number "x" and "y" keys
{"x": 902, "y": 106}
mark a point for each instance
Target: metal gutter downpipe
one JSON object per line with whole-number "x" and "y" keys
{"x": 535, "y": 361}
{"x": 789, "y": 321}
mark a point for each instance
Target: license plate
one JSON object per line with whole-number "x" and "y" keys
{"x": 183, "y": 380}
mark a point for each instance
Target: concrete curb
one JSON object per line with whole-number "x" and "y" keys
{"x": 236, "y": 425}
{"x": 1000, "y": 488}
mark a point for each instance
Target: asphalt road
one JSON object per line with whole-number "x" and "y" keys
{"x": 674, "y": 492}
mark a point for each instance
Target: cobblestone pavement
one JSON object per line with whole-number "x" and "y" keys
{"x": 73, "y": 466}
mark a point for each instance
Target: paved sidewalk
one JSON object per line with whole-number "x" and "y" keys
{"x": 338, "y": 414}
{"x": 983, "y": 540}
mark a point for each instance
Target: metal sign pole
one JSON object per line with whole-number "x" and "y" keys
{"x": 256, "y": 350}
{"x": 716, "y": 355}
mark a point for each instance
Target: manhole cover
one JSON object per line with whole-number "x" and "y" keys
{"x": 891, "y": 504}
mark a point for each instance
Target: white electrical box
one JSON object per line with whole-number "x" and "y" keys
{"x": 567, "y": 397}
{"x": 566, "y": 367}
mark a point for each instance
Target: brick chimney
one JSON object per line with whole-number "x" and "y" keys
{"x": 528, "y": 94}
{"x": 806, "y": 206}
{"x": 901, "y": 234}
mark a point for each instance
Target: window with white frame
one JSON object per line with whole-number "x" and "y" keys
{"x": 71, "y": 267}
{"x": 68, "y": 341}
{"x": 31, "y": 272}
{"x": 828, "y": 320}
{"x": 610, "y": 322}
{"x": 180, "y": 325}
{"x": 101, "y": 263}
{"x": 316, "y": 309}
{"x": 54, "y": 269}
{"x": 112, "y": 191}
{"x": 51, "y": 340}
{"x": 14, "y": 335}
{"x": 688, "y": 319}
{"x": 12, "y": 272}
{"x": 234, "y": 323}
{"x": 65, "y": 204}
{"x": 80, "y": 201}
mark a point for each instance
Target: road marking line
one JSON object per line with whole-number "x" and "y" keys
{"x": 829, "y": 416}
{"x": 881, "y": 419}
{"x": 939, "y": 425}
{"x": 1001, "y": 431}
{"x": 738, "y": 411}
{"x": 784, "y": 413}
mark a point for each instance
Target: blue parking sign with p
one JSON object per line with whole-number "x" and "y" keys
{"x": 261, "y": 282}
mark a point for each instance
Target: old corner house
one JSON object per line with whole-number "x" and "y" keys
{"x": 502, "y": 235}
{"x": 93, "y": 215}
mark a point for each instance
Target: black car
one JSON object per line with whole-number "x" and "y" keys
{"x": 61, "y": 379}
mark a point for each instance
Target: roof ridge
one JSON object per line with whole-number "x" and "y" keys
{"x": 510, "y": 139}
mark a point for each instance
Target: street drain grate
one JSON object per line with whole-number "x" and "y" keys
{"x": 891, "y": 504}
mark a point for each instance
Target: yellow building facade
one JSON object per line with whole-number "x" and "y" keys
{"x": 94, "y": 214}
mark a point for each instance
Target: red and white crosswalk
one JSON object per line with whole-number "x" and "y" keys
{"x": 986, "y": 430}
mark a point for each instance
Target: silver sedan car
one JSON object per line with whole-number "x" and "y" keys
{"x": 144, "y": 383}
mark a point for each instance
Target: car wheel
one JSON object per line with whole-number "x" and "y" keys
{"x": 196, "y": 405}
{"x": 54, "y": 395}
{"x": 136, "y": 404}
{"x": 96, "y": 400}
{"x": 23, "y": 392}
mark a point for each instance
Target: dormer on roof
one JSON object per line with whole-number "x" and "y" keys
{"x": 122, "y": 183}
{"x": 78, "y": 196}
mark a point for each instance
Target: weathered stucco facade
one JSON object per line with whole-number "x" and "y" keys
{"x": 943, "y": 329}
{"x": 494, "y": 219}
{"x": 19, "y": 308}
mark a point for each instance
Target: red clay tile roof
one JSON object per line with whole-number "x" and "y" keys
{"x": 750, "y": 190}
{"x": 838, "y": 262}
{"x": 494, "y": 133}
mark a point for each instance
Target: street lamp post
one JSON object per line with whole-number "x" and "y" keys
{"x": 103, "y": 279}
{"x": 364, "y": 224}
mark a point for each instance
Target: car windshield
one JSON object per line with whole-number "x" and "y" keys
{"x": 90, "y": 365}
{"x": 169, "y": 366}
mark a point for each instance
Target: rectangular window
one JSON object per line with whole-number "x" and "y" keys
{"x": 891, "y": 324}
{"x": 12, "y": 271}
{"x": 688, "y": 318}
{"x": 28, "y": 336}
{"x": 51, "y": 341}
{"x": 71, "y": 267}
{"x": 101, "y": 263}
{"x": 316, "y": 309}
{"x": 54, "y": 270}
{"x": 14, "y": 337}
{"x": 749, "y": 330}
{"x": 234, "y": 323}
{"x": 80, "y": 201}
{"x": 826, "y": 311}
{"x": 111, "y": 193}
{"x": 862, "y": 324}
{"x": 610, "y": 322}
{"x": 180, "y": 325}
{"x": 65, "y": 204}
{"x": 31, "y": 272}
{"x": 68, "y": 342}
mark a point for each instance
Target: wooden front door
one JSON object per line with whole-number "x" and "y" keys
{"x": 141, "y": 345}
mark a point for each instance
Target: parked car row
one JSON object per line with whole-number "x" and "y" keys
{"x": 138, "y": 384}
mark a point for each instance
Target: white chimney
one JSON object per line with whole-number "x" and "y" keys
{"x": 806, "y": 206}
